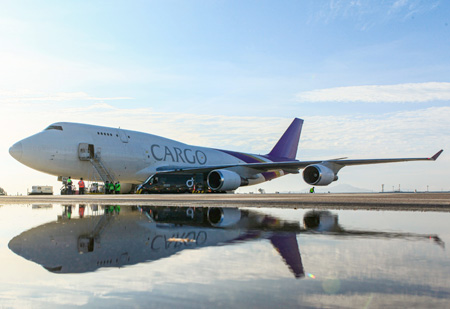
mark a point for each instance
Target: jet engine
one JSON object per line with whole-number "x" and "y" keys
{"x": 223, "y": 217}
{"x": 224, "y": 180}
{"x": 319, "y": 175}
{"x": 321, "y": 221}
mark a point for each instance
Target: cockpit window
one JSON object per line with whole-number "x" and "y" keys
{"x": 53, "y": 127}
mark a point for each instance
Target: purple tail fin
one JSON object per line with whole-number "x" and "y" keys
{"x": 287, "y": 246}
{"x": 287, "y": 146}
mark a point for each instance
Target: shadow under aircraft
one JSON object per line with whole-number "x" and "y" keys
{"x": 123, "y": 236}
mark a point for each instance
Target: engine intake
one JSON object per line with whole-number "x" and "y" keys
{"x": 223, "y": 217}
{"x": 323, "y": 221}
{"x": 319, "y": 175}
{"x": 224, "y": 180}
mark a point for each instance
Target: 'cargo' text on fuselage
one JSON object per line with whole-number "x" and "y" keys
{"x": 175, "y": 154}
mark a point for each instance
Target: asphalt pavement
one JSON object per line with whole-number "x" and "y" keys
{"x": 439, "y": 201}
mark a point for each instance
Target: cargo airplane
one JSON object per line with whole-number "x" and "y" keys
{"x": 159, "y": 164}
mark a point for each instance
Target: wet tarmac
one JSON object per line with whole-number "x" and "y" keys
{"x": 71, "y": 253}
{"x": 383, "y": 201}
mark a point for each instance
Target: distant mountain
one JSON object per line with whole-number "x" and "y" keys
{"x": 342, "y": 188}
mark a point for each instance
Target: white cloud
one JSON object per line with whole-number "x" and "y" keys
{"x": 411, "y": 92}
{"x": 366, "y": 14}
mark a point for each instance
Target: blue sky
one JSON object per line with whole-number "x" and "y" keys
{"x": 370, "y": 78}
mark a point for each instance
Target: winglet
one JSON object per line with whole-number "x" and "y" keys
{"x": 287, "y": 145}
{"x": 436, "y": 155}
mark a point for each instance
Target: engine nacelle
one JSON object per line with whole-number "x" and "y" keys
{"x": 321, "y": 221}
{"x": 319, "y": 175}
{"x": 223, "y": 217}
{"x": 224, "y": 180}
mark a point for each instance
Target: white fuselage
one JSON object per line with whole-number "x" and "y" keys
{"x": 126, "y": 240}
{"x": 133, "y": 237}
{"x": 131, "y": 156}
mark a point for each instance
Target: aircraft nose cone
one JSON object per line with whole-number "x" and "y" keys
{"x": 15, "y": 246}
{"x": 16, "y": 151}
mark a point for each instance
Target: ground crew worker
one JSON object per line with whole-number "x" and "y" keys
{"x": 69, "y": 186}
{"x": 111, "y": 187}
{"x": 311, "y": 190}
{"x": 117, "y": 187}
{"x": 68, "y": 211}
{"x": 81, "y": 209}
{"x": 81, "y": 186}
{"x": 107, "y": 187}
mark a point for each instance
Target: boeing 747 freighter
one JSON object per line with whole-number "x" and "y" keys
{"x": 159, "y": 164}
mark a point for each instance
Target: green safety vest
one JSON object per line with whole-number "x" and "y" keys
{"x": 118, "y": 187}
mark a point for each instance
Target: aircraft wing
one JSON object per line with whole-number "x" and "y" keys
{"x": 291, "y": 166}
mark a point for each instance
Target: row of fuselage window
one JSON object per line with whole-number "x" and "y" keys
{"x": 109, "y": 262}
{"x": 108, "y": 134}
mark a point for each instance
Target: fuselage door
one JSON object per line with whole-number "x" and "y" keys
{"x": 123, "y": 136}
{"x": 83, "y": 152}
{"x": 91, "y": 151}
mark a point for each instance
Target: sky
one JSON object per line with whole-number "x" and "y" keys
{"x": 369, "y": 78}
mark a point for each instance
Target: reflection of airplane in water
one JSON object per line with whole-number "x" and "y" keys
{"x": 325, "y": 222}
{"x": 121, "y": 237}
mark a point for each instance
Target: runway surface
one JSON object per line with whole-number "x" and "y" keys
{"x": 375, "y": 201}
